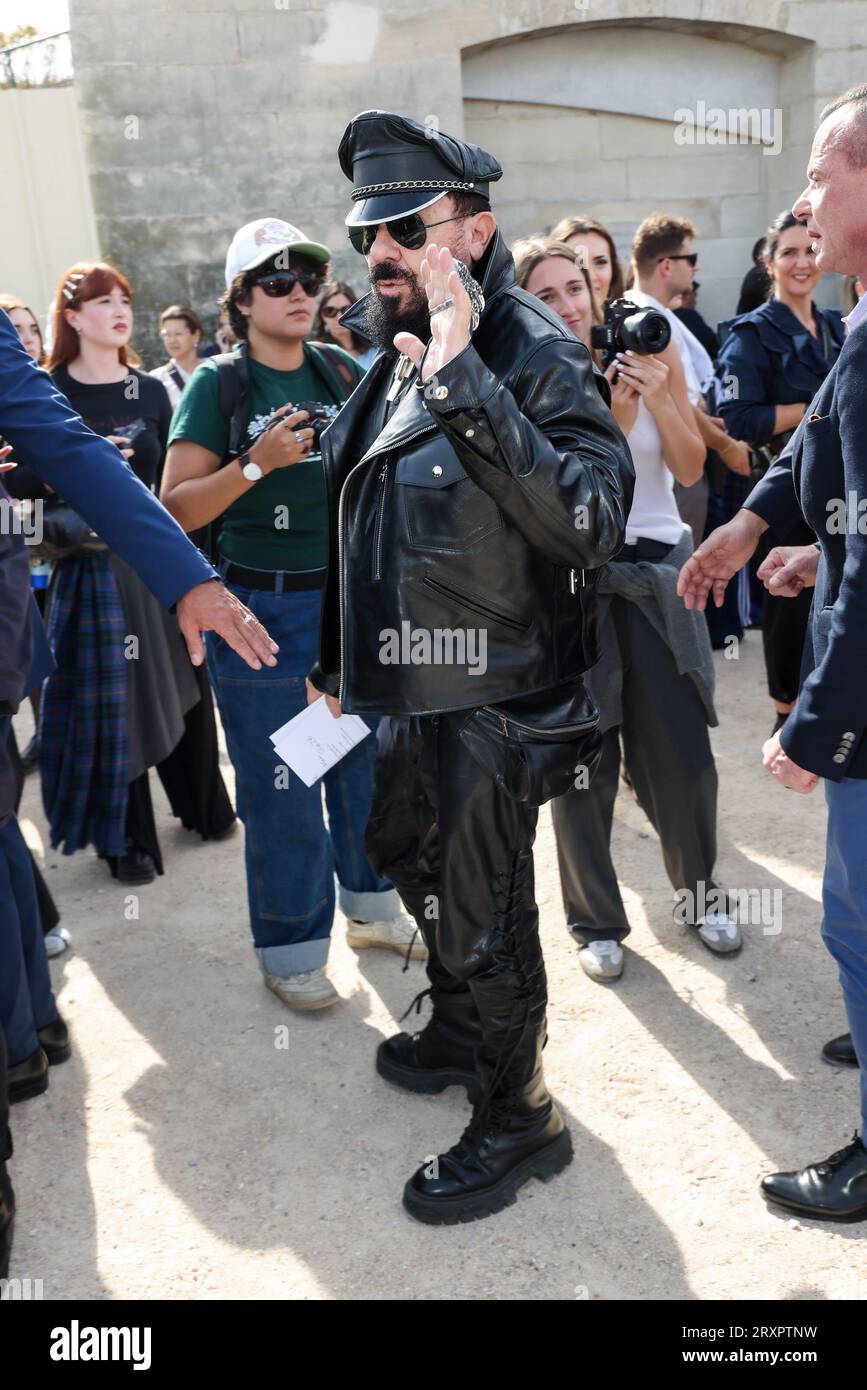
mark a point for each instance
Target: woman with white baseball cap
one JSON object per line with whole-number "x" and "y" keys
{"x": 244, "y": 459}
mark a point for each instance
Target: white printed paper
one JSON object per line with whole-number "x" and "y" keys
{"x": 314, "y": 740}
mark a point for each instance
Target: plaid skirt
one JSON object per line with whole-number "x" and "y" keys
{"x": 84, "y": 753}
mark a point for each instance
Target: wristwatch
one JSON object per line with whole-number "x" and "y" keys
{"x": 251, "y": 471}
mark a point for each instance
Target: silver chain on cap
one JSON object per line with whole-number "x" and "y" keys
{"x": 405, "y": 185}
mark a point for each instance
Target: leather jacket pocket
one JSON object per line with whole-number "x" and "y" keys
{"x": 443, "y": 509}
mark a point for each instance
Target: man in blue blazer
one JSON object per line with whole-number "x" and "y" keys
{"x": 822, "y": 474}
{"x": 90, "y": 473}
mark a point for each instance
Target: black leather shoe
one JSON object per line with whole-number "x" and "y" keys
{"x": 28, "y": 1078}
{"x": 135, "y": 867}
{"x": 7, "y": 1220}
{"x": 54, "y": 1041}
{"x": 834, "y": 1190}
{"x": 840, "y": 1052}
{"x": 510, "y": 1141}
{"x": 442, "y": 1054}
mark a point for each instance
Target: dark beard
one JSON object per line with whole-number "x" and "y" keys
{"x": 384, "y": 318}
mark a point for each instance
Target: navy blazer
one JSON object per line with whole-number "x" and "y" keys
{"x": 92, "y": 476}
{"x": 822, "y": 475}
{"x": 767, "y": 359}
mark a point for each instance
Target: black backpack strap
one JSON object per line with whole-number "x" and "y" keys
{"x": 233, "y": 379}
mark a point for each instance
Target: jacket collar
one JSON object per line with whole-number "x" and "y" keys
{"x": 498, "y": 274}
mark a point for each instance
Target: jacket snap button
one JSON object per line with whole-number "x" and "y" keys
{"x": 839, "y": 757}
{"x": 437, "y": 471}
{"x": 441, "y": 392}
{"x": 469, "y": 434}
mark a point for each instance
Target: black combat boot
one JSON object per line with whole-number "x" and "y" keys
{"x": 443, "y": 1053}
{"x": 516, "y": 1131}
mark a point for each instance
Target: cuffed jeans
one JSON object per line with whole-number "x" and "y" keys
{"x": 291, "y": 855}
{"x": 844, "y": 899}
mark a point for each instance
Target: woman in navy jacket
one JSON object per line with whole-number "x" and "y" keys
{"x": 771, "y": 365}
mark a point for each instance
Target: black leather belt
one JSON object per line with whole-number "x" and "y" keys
{"x": 644, "y": 549}
{"x": 273, "y": 581}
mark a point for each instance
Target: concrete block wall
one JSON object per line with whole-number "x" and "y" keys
{"x": 199, "y": 115}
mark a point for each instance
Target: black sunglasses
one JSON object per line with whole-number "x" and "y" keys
{"x": 409, "y": 232}
{"x": 692, "y": 258}
{"x": 281, "y": 283}
{"x": 330, "y": 311}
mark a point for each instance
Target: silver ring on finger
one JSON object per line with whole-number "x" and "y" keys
{"x": 249, "y": 619}
{"x": 299, "y": 438}
{"x": 438, "y": 308}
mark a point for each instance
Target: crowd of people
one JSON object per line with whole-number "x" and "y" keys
{"x": 230, "y": 438}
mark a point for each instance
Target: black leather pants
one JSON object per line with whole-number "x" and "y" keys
{"x": 459, "y": 852}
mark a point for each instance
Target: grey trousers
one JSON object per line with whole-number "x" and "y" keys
{"x": 667, "y": 751}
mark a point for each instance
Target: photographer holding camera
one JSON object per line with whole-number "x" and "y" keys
{"x": 244, "y": 460}
{"x": 654, "y": 682}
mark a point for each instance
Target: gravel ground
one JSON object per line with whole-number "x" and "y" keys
{"x": 182, "y": 1153}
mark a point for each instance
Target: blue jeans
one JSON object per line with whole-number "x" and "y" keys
{"x": 844, "y": 898}
{"x": 291, "y": 856}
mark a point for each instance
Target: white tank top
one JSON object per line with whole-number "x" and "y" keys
{"x": 654, "y": 513}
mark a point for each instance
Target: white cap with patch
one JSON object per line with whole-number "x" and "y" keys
{"x": 258, "y": 241}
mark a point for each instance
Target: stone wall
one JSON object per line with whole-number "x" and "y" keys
{"x": 199, "y": 115}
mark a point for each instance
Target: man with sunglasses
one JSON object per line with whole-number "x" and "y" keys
{"x": 251, "y": 466}
{"x": 476, "y": 481}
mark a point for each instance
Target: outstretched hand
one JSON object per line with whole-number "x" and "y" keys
{"x": 718, "y": 559}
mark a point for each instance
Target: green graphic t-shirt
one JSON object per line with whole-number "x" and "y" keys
{"x": 280, "y": 524}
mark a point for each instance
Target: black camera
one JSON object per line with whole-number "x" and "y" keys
{"x": 318, "y": 421}
{"x": 628, "y": 327}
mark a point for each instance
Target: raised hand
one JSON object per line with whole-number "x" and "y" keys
{"x": 450, "y": 327}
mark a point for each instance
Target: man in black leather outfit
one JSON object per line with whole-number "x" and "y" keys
{"x": 476, "y": 481}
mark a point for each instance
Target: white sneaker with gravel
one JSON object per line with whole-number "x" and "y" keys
{"x": 602, "y": 960}
{"x": 304, "y": 991}
{"x": 393, "y": 935}
{"x": 720, "y": 933}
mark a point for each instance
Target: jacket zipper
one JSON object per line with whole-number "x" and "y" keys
{"x": 468, "y": 601}
{"x": 377, "y": 529}
{"x": 341, "y": 549}
{"x": 565, "y": 729}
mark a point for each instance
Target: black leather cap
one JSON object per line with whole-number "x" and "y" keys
{"x": 399, "y": 166}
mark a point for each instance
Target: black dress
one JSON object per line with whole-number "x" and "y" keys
{"x": 171, "y": 723}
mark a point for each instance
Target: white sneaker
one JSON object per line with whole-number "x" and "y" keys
{"x": 56, "y": 941}
{"x": 393, "y": 935}
{"x": 304, "y": 991}
{"x": 602, "y": 960}
{"x": 720, "y": 933}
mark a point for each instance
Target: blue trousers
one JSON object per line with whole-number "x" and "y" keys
{"x": 26, "y": 998}
{"x": 844, "y": 898}
{"x": 291, "y": 855}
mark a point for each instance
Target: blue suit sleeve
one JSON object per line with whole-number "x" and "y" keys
{"x": 831, "y": 701}
{"x": 774, "y": 498}
{"x": 45, "y": 433}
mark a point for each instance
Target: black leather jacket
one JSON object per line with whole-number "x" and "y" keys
{"x": 480, "y": 514}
